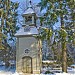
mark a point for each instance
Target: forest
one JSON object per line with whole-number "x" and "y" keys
{"x": 59, "y": 38}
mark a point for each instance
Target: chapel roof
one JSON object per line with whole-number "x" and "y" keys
{"x": 21, "y": 32}
{"x": 29, "y": 10}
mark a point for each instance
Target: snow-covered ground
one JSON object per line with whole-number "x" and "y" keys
{"x": 7, "y": 71}
{"x": 11, "y": 71}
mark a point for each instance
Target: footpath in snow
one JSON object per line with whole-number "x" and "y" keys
{"x": 10, "y": 73}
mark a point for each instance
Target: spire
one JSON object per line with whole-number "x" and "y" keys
{"x": 29, "y": 9}
{"x": 30, "y": 4}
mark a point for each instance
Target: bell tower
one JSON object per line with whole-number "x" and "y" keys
{"x": 28, "y": 52}
{"x": 29, "y": 16}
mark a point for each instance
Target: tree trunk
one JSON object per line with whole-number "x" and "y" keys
{"x": 64, "y": 57}
{"x": 64, "y": 52}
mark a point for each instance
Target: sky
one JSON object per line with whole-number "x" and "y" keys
{"x": 21, "y": 2}
{"x": 35, "y": 1}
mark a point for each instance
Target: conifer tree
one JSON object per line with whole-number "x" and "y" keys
{"x": 8, "y": 20}
{"x": 59, "y": 9}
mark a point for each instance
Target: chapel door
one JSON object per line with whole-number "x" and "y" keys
{"x": 27, "y": 64}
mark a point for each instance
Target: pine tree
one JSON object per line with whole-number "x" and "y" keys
{"x": 8, "y": 20}
{"x": 58, "y": 9}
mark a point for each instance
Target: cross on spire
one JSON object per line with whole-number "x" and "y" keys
{"x": 30, "y": 3}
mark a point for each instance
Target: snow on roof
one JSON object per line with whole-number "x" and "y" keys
{"x": 29, "y": 11}
{"x": 21, "y": 32}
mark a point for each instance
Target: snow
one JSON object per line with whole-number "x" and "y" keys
{"x": 29, "y": 11}
{"x": 12, "y": 71}
{"x": 47, "y": 61}
{"x": 63, "y": 74}
{"x": 16, "y": 73}
{"x": 9, "y": 73}
{"x": 73, "y": 65}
